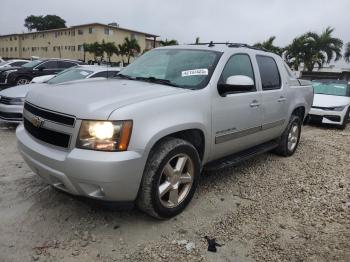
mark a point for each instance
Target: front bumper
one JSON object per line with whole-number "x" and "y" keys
{"x": 110, "y": 176}
{"x": 11, "y": 113}
{"x": 326, "y": 116}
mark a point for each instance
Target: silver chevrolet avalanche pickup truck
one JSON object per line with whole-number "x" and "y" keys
{"x": 146, "y": 136}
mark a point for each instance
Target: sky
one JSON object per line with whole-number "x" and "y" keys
{"x": 247, "y": 21}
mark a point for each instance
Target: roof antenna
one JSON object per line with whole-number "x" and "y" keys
{"x": 211, "y": 44}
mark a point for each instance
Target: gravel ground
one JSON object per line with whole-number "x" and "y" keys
{"x": 267, "y": 209}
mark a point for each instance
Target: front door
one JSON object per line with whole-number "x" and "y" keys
{"x": 236, "y": 117}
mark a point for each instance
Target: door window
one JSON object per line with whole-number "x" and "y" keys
{"x": 49, "y": 65}
{"x": 270, "y": 76}
{"x": 239, "y": 64}
{"x": 65, "y": 64}
{"x": 18, "y": 63}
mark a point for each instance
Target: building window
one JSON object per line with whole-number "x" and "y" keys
{"x": 15, "y": 49}
{"x": 11, "y": 49}
{"x": 73, "y": 48}
{"x": 80, "y": 32}
{"x": 108, "y": 31}
{"x": 134, "y": 36}
{"x": 56, "y": 34}
{"x": 91, "y": 30}
{"x": 80, "y": 48}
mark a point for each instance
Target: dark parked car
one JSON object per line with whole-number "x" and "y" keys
{"x": 24, "y": 74}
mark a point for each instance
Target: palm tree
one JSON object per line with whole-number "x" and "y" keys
{"x": 323, "y": 48}
{"x": 86, "y": 49}
{"x": 110, "y": 49}
{"x": 167, "y": 42}
{"x": 122, "y": 51}
{"x": 269, "y": 46}
{"x": 96, "y": 49}
{"x": 347, "y": 53}
{"x": 131, "y": 47}
{"x": 295, "y": 52}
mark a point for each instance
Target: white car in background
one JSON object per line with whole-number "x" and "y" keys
{"x": 13, "y": 63}
{"x": 12, "y": 99}
{"x": 331, "y": 103}
{"x": 41, "y": 79}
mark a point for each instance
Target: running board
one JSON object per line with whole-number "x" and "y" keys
{"x": 237, "y": 158}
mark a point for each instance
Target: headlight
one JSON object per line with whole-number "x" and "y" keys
{"x": 17, "y": 101}
{"x": 338, "y": 108}
{"x": 104, "y": 135}
{"x": 10, "y": 71}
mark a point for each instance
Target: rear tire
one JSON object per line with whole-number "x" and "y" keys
{"x": 290, "y": 138}
{"x": 170, "y": 178}
{"x": 22, "y": 80}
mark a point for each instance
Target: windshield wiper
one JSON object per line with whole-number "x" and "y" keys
{"x": 157, "y": 81}
{"x": 125, "y": 76}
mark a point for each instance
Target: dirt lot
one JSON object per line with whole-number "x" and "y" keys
{"x": 267, "y": 209}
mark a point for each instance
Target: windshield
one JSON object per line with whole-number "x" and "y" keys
{"x": 32, "y": 63}
{"x": 70, "y": 75}
{"x": 183, "y": 68}
{"x": 3, "y": 63}
{"x": 329, "y": 88}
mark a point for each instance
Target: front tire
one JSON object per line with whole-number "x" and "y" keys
{"x": 290, "y": 138}
{"x": 22, "y": 80}
{"x": 170, "y": 178}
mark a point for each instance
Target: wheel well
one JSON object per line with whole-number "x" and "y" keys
{"x": 299, "y": 111}
{"x": 193, "y": 136}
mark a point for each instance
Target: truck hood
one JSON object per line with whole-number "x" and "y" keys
{"x": 19, "y": 91}
{"x": 96, "y": 99}
{"x": 330, "y": 101}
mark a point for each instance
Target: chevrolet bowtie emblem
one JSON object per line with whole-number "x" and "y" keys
{"x": 37, "y": 121}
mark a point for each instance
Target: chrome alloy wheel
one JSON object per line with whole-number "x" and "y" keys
{"x": 293, "y": 137}
{"x": 23, "y": 81}
{"x": 176, "y": 180}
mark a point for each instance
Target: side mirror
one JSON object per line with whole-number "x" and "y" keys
{"x": 236, "y": 84}
{"x": 41, "y": 68}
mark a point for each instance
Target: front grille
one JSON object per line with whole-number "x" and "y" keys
{"x": 6, "y": 100}
{"x": 46, "y": 135}
{"x": 11, "y": 116}
{"x": 315, "y": 118}
{"x": 50, "y": 115}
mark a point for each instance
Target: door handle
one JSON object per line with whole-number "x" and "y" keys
{"x": 255, "y": 103}
{"x": 281, "y": 99}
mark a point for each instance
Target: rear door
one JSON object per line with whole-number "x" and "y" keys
{"x": 47, "y": 68}
{"x": 236, "y": 117}
{"x": 274, "y": 99}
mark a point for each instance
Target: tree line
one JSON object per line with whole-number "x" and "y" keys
{"x": 310, "y": 49}
{"x": 129, "y": 48}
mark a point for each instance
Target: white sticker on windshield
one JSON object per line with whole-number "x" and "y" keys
{"x": 342, "y": 87}
{"x": 84, "y": 73}
{"x": 195, "y": 72}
